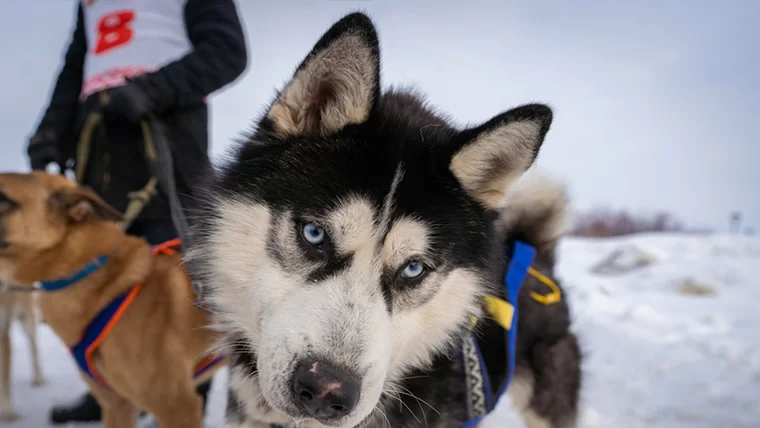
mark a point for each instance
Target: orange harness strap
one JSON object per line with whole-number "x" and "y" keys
{"x": 104, "y": 322}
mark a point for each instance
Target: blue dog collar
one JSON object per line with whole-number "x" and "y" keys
{"x": 86, "y": 271}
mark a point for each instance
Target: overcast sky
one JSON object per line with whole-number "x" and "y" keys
{"x": 656, "y": 102}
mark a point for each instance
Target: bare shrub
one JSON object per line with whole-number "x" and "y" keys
{"x": 602, "y": 223}
{"x": 692, "y": 288}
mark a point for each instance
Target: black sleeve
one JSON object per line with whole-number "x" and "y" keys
{"x": 219, "y": 56}
{"x": 61, "y": 111}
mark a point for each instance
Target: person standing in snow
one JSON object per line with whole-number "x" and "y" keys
{"x": 160, "y": 58}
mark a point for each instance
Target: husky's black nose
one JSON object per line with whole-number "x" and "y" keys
{"x": 325, "y": 391}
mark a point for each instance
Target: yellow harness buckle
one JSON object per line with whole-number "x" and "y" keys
{"x": 502, "y": 311}
{"x": 548, "y": 299}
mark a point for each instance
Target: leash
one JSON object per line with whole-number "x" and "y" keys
{"x": 158, "y": 152}
{"x": 162, "y": 164}
{"x": 6, "y": 288}
{"x": 137, "y": 200}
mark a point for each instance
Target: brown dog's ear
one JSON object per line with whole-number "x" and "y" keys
{"x": 81, "y": 204}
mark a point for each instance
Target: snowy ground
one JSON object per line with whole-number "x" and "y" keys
{"x": 657, "y": 356}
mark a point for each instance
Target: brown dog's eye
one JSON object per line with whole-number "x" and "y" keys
{"x": 6, "y": 204}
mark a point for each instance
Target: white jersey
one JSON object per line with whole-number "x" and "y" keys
{"x": 129, "y": 37}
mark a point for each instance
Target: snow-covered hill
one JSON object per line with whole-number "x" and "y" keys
{"x": 670, "y": 325}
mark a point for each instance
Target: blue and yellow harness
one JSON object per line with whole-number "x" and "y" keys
{"x": 480, "y": 402}
{"x": 106, "y": 319}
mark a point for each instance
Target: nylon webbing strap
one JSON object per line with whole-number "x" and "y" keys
{"x": 137, "y": 200}
{"x": 162, "y": 164}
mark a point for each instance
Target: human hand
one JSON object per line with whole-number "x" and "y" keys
{"x": 43, "y": 150}
{"x": 128, "y": 102}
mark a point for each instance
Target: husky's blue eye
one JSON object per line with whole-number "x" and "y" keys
{"x": 314, "y": 235}
{"x": 413, "y": 269}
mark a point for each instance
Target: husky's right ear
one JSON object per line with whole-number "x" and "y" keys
{"x": 336, "y": 85}
{"x": 490, "y": 157}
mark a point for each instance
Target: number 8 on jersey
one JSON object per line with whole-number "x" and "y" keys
{"x": 114, "y": 30}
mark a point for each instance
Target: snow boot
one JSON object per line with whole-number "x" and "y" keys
{"x": 84, "y": 410}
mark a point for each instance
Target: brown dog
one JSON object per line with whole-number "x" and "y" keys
{"x": 51, "y": 229}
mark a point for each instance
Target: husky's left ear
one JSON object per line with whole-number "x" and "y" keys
{"x": 491, "y": 156}
{"x": 336, "y": 85}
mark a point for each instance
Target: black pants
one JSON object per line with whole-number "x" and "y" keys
{"x": 155, "y": 232}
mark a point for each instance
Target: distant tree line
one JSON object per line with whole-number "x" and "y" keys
{"x": 604, "y": 222}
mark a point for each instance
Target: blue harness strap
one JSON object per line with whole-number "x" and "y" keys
{"x": 107, "y": 318}
{"x": 101, "y": 326}
{"x": 97, "y": 331}
{"x": 478, "y": 383}
{"x": 522, "y": 259}
{"x": 207, "y": 365}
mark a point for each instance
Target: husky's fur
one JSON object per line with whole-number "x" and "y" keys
{"x": 389, "y": 186}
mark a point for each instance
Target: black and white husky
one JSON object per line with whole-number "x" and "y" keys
{"x": 353, "y": 239}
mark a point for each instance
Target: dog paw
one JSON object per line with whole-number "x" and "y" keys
{"x": 38, "y": 381}
{"x": 8, "y": 416}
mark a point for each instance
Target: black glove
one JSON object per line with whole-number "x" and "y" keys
{"x": 44, "y": 149}
{"x": 128, "y": 102}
